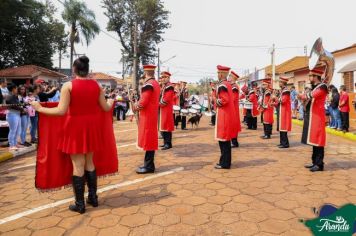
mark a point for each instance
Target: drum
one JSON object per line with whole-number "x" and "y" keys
{"x": 184, "y": 112}
{"x": 176, "y": 109}
{"x": 248, "y": 105}
{"x": 192, "y": 111}
{"x": 196, "y": 107}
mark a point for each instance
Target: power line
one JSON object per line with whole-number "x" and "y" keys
{"x": 218, "y": 45}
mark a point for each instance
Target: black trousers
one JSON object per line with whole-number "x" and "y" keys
{"x": 267, "y": 128}
{"x": 234, "y": 141}
{"x": 167, "y": 138}
{"x": 225, "y": 158}
{"x": 176, "y": 120}
{"x": 318, "y": 156}
{"x": 149, "y": 160}
{"x": 213, "y": 119}
{"x": 283, "y": 136}
{"x": 345, "y": 121}
{"x": 184, "y": 122}
{"x": 121, "y": 109}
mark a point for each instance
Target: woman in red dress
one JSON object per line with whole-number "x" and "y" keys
{"x": 81, "y": 99}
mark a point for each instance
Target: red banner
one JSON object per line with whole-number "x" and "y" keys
{"x": 54, "y": 168}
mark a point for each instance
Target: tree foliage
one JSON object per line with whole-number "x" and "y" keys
{"x": 82, "y": 23}
{"x": 28, "y": 33}
{"x": 151, "y": 19}
{"x": 201, "y": 87}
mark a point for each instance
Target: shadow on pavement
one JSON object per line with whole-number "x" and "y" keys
{"x": 250, "y": 163}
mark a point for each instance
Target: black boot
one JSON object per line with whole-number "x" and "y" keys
{"x": 92, "y": 187}
{"x": 78, "y": 189}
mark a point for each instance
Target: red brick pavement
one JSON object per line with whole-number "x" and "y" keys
{"x": 265, "y": 193}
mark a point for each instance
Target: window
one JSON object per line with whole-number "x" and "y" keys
{"x": 349, "y": 81}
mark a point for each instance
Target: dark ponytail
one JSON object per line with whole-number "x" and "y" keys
{"x": 81, "y": 66}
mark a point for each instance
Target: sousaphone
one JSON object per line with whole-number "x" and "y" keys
{"x": 320, "y": 57}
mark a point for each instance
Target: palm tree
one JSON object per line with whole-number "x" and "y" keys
{"x": 81, "y": 21}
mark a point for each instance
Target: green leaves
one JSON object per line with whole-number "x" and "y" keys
{"x": 28, "y": 35}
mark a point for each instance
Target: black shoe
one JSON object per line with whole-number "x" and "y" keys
{"x": 92, "y": 187}
{"x": 279, "y": 145}
{"x": 317, "y": 168}
{"x": 166, "y": 147}
{"x": 144, "y": 170}
{"x": 283, "y": 146}
{"x": 33, "y": 141}
{"x": 185, "y": 129}
{"x": 219, "y": 167}
{"x": 162, "y": 145}
{"x": 308, "y": 166}
{"x": 26, "y": 144}
{"x": 78, "y": 189}
{"x": 266, "y": 137}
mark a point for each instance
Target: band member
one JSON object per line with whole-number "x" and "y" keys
{"x": 251, "y": 114}
{"x": 183, "y": 102}
{"x": 284, "y": 114}
{"x": 314, "y": 119}
{"x": 166, "y": 102}
{"x": 225, "y": 118}
{"x": 236, "y": 95}
{"x": 147, "y": 127}
{"x": 243, "y": 95}
{"x": 213, "y": 103}
{"x": 267, "y": 108}
{"x": 177, "y": 118}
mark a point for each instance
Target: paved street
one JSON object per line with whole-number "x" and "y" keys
{"x": 266, "y": 192}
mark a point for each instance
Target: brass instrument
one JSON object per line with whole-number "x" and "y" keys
{"x": 319, "y": 56}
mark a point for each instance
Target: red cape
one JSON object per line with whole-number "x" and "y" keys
{"x": 54, "y": 168}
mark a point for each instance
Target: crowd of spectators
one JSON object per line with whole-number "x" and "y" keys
{"x": 19, "y": 114}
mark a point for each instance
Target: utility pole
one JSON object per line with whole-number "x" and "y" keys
{"x": 273, "y": 65}
{"x": 60, "y": 60}
{"x": 134, "y": 73}
{"x": 123, "y": 64}
{"x": 158, "y": 66}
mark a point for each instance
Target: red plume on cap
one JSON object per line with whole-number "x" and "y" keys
{"x": 234, "y": 74}
{"x": 149, "y": 67}
{"x": 223, "y": 68}
{"x": 317, "y": 72}
{"x": 166, "y": 73}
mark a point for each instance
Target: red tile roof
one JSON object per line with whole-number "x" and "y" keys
{"x": 293, "y": 64}
{"x": 29, "y": 71}
{"x": 102, "y": 76}
{"x": 350, "y": 48}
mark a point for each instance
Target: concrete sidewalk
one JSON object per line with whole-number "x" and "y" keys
{"x": 5, "y": 154}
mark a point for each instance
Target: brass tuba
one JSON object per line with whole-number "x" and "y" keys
{"x": 319, "y": 56}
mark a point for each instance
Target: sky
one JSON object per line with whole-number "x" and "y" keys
{"x": 251, "y": 26}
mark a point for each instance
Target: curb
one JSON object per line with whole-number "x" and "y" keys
{"x": 9, "y": 155}
{"x": 349, "y": 136}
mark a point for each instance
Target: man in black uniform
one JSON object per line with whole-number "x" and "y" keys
{"x": 183, "y": 96}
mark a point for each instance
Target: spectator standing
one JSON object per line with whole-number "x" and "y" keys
{"x": 31, "y": 97}
{"x": 4, "y": 90}
{"x": 334, "y": 109}
{"x": 43, "y": 94}
{"x": 294, "y": 101}
{"x": 13, "y": 117}
{"x": 344, "y": 108}
{"x": 24, "y": 116}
